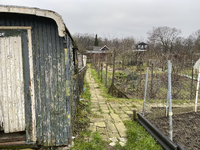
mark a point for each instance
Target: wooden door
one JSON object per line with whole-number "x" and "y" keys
{"x": 12, "y": 110}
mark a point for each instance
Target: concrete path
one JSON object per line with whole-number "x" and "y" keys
{"x": 107, "y": 117}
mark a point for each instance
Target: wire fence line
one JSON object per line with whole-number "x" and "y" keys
{"x": 129, "y": 82}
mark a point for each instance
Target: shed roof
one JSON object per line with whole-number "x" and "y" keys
{"x": 38, "y": 12}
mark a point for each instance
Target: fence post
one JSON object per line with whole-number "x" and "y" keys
{"x": 197, "y": 90}
{"x": 191, "y": 91}
{"x": 106, "y": 69}
{"x": 140, "y": 76}
{"x": 145, "y": 90}
{"x": 101, "y": 71}
{"x": 195, "y": 74}
{"x": 113, "y": 75}
{"x": 151, "y": 87}
{"x": 170, "y": 101}
{"x": 99, "y": 66}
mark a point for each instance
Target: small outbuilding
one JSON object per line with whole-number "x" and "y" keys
{"x": 99, "y": 53}
{"x": 38, "y": 78}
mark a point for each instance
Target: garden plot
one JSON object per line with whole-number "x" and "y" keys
{"x": 186, "y": 130}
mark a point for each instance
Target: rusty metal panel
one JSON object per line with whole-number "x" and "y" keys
{"x": 12, "y": 97}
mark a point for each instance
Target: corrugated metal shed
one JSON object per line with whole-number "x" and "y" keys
{"x": 37, "y": 75}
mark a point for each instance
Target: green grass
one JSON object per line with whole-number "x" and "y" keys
{"x": 86, "y": 94}
{"x": 139, "y": 138}
{"x": 96, "y": 143}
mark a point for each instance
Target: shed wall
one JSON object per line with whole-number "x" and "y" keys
{"x": 50, "y": 74}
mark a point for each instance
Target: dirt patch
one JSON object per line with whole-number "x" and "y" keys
{"x": 186, "y": 129}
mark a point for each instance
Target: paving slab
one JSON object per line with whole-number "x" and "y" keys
{"x": 121, "y": 129}
{"x": 115, "y": 118}
{"x": 92, "y": 128}
{"x": 129, "y": 112}
{"x": 100, "y": 124}
{"x": 93, "y": 120}
{"x": 95, "y": 105}
{"x": 125, "y": 108}
{"x": 104, "y": 106}
{"x": 105, "y": 111}
{"x": 124, "y": 119}
{"x": 102, "y": 102}
{"x": 111, "y": 127}
{"x": 123, "y": 116}
{"x": 101, "y": 130}
{"x": 106, "y": 117}
{"x": 94, "y": 109}
{"x": 119, "y": 111}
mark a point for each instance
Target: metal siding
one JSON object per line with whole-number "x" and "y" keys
{"x": 50, "y": 74}
{"x": 62, "y": 103}
{"x": 12, "y": 84}
{"x": 45, "y": 101}
{"x": 41, "y": 86}
{"x": 71, "y": 76}
{"x": 58, "y": 134}
{"x": 54, "y": 84}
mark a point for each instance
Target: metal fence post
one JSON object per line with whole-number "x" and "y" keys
{"x": 191, "y": 89}
{"x": 145, "y": 90}
{"x": 197, "y": 90}
{"x": 170, "y": 100}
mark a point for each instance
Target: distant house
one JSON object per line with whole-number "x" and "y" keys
{"x": 98, "y": 52}
{"x": 142, "y": 46}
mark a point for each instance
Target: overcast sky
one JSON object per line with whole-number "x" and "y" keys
{"x": 121, "y": 18}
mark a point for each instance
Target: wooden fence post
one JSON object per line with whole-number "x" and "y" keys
{"x": 140, "y": 65}
{"x": 101, "y": 71}
{"x": 99, "y": 66}
{"x": 113, "y": 76}
{"x": 151, "y": 88}
{"x": 106, "y": 69}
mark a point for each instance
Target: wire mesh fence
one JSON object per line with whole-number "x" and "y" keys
{"x": 129, "y": 78}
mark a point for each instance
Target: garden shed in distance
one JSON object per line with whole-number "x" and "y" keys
{"x": 38, "y": 82}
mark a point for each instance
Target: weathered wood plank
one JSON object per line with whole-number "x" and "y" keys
{"x": 21, "y": 87}
{"x": 4, "y": 86}
{"x": 9, "y": 99}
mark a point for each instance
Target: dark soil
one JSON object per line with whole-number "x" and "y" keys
{"x": 186, "y": 129}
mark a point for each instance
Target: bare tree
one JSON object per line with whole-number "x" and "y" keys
{"x": 165, "y": 36}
